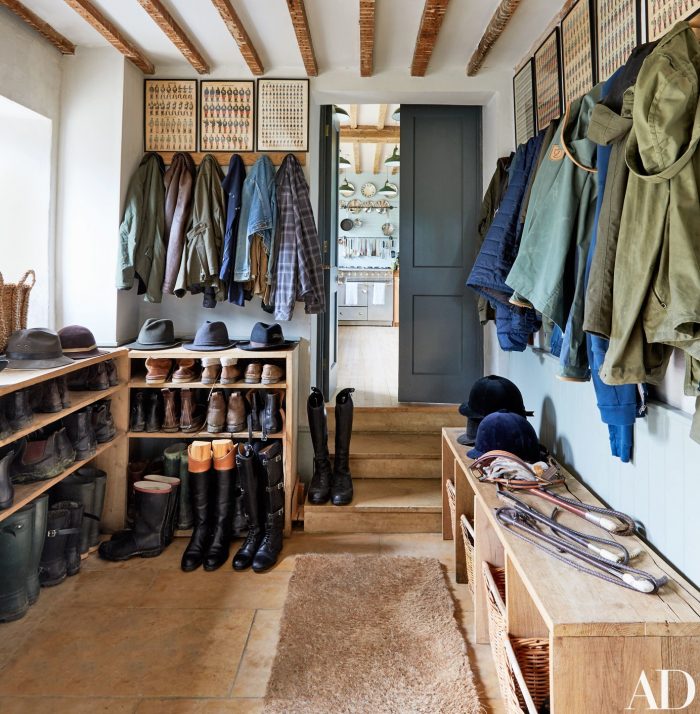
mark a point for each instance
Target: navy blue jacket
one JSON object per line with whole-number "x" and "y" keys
{"x": 233, "y": 188}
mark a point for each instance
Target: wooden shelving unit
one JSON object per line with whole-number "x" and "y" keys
{"x": 109, "y": 456}
{"x": 289, "y": 356}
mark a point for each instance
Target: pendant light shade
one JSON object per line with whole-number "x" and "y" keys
{"x": 346, "y": 189}
{"x": 343, "y": 162}
{"x": 396, "y": 114}
{"x": 340, "y": 114}
{"x": 394, "y": 159}
{"x": 390, "y": 190}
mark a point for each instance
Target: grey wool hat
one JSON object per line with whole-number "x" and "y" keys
{"x": 35, "y": 348}
{"x": 155, "y": 334}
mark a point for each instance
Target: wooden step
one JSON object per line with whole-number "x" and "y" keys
{"x": 395, "y": 455}
{"x": 423, "y": 419}
{"x": 381, "y": 506}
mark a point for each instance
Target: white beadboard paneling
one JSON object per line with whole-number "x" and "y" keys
{"x": 660, "y": 487}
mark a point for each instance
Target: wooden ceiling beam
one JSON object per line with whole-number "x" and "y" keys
{"x": 357, "y": 156}
{"x": 378, "y": 154}
{"x": 239, "y": 34}
{"x": 297, "y": 11}
{"x": 353, "y": 116}
{"x": 114, "y": 36}
{"x": 63, "y": 45}
{"x": 381, "y": 116}
{"x": 504, "y": 12}
{"x": 172, "y": 30}
{"x": 430, "y": 23}
{"x": 371, "y": 135}
{"x": 367, "y": 37}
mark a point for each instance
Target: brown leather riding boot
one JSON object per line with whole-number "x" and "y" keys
{"x": 216, "y": 412}
{"x": 237, "y": 412}
{"x": 171, "y": 421}
{"x": 190, "y": 419}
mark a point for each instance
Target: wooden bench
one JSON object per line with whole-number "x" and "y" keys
{"x": 601, "y": 636}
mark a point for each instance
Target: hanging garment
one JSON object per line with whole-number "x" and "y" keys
{"x": 141, "y": 246}
{"x": 233, "y": 190}
{"x": 489, "y": 207}
{"x": 259, "y": 264}
{"x": 298, "y": 270}
{"x": 179, "y": 183}
{"x": 200, "y": 264}
{"x": 550, "y": 266}
{"x": 657, "y": 267}
{"x": 258, "y": 215}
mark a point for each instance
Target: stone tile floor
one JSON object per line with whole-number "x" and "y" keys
{"x": 142, "y": 636}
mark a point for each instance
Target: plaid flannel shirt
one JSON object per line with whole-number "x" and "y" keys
{"x": 298, "y": 270}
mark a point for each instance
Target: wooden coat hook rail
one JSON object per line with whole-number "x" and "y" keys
{"x": 249, "y": 157}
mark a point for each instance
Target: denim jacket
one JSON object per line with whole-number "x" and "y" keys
{"x": 233, "y": 188}
{"x": 258, "y": 215}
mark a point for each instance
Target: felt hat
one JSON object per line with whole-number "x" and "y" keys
{"x": 265, "y": 337}
{"x": 36, "y": 348}
{"x": 211, "y": 337}
{"x": 77, "y": 342}
{"x": 155, "y": 334}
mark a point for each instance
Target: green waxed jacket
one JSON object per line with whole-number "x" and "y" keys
{"x": 201, "y": 257}
{"x": 656, "y": 291}
{"x": 141, "y": 233}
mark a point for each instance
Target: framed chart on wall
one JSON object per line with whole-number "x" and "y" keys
{"x": 227, "y": 115}
{"x": 170, "y": 115}
{"x": 662, "y": 15}
{"x": 578, "y": 59}
{"x": 618, "y": 32}
{"x": 524, "y": 104}
{"x": 283, "y": 115}
{"x": 548, "y": 80}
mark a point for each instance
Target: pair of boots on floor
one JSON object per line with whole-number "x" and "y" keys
{"x": 261, "y": 483}
{"x": 336, "y": 483}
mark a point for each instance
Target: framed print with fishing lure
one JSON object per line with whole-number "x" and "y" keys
{"x": 662, "y": 15}
{"x": 524, "y": 103}
{"x": 578, "y": 57}
{"x": 226, "y": 115}
{"x": 618, "y": 32}
{"x": 548, "y": 80}
{"x": 283, "y": 115}
{"x": 170, "y": 115}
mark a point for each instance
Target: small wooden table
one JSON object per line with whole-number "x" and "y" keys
{"x": 601, "y": 636}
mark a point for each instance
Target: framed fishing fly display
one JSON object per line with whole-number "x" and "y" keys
{"x": 170, "y": 114}
{"x": 524, "y": 103}
{"x": 618, "y": 32}
{"x": 283, "y": 115}
{"x": 662, "y": 15}
{"x": 548, "y": 80}
{"x": 226, "y": 116}
{"x": 578, "y": 58}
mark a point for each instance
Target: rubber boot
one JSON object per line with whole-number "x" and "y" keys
{"x": 171, "y": 467}
{"x": 239, "y": 522}
{"x": 151, "y": 501}
{"x": 7, "y": 490}
{"x": 100, "y": 479}
{"x": 320, "y": 487}
{"x": 81, "y": 489}
{"x": 223, "y": 465}
{"x": 52, "y": 564}
{"x": 184, "y": 514}
{"x": 271, "y": 545}
{"x": 200, "y": 477}
{"x": 341, "y": 483}
{"x": 135, "y": 471}
{"x": 75, "y": 524}
{"x": 41, "y": 509}
{"x": 15, "y": 557}
{"x": 246, "y": 465}
{"x": 174, "y": 483}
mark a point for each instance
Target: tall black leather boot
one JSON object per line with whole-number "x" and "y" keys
{"x": 81, "y": 489}
{"x": 151, "y": 501}
{"x": 273, "y": 485}
{"x": 239, "y": 522}
{"x": 40, "y": 514}
{"x": 174, "y": 483}
{"x": 52, "y": 565}
{"x": 223, "y": 467}
{"x": 341, "y": 483}
{"x": 250, "y": 480}
{"x": 320, "y": 487}
{"x": 15, "y": 556}
{"x": 7, "y": 490}
{"x": 200, "y": 480}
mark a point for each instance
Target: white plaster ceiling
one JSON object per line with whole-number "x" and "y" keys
{"x": 334, "y": 26}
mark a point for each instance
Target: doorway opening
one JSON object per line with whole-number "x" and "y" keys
{"x": 368, "y": 245}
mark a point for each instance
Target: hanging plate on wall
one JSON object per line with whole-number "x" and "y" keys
{"x": 354, "y": 206}
{"x": 388, "y": 229}
{"x": 368, "y": 189}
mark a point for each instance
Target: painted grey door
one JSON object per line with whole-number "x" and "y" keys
{"x": 440, "y": 338}
{"x": 327, "y": 356}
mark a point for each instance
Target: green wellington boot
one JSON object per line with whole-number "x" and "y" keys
{"x": 15, "y": 555}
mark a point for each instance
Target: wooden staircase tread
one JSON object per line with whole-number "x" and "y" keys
{"x": 399, "y": 495}
{"x": 369, "y": 445}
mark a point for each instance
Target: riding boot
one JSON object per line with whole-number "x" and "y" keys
{"x": 174, "y": 483}
{"x": 100, "y": 479}
{"x": 199, "y": 467}
{"x": 271, "y": 545}
{"x": 15, "y": 556}
{"x": 239, "y": 522}
{"x": 246, "y": 463}
{"x": 320, "y": 488}
{"x": 341, "y": 483}
{"x": 40, "y": 511}
{"x": 223, "y": 464}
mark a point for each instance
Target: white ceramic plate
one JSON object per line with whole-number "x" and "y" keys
{"x": 368, "y": 189}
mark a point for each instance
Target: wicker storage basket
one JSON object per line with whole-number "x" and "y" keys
{"x": 14, "y": 304}
{"x": 452, "y": 501}
{"x": 522, "y": 663}
{"x": 468, "y": 538}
